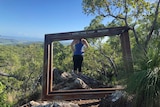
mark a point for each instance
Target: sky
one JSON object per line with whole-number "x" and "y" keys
{"x": 35, "y": 18}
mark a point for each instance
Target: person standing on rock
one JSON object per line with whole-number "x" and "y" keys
{"x": 77, "y": 47}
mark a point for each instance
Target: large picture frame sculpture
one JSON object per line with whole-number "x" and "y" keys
{"x": 48, "y": 93}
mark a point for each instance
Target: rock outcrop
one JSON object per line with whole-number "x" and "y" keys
{"x": 66, "y": 81}
{"x": 50, "y": 104}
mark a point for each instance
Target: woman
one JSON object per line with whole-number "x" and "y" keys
{"x": 77, "y": 48}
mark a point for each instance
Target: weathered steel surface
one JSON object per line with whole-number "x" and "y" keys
{"x": 47, "y": 74}
{"x": 81, "y": 93}
{"x": 86, "y": 33}
{"x": 49, "y": 94}
{"x": 126, "y": 50}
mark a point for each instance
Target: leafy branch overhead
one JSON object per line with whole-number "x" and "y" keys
{"x": 125, "y": 13}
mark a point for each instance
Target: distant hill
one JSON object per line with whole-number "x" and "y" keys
{"x": 13, "y": 40}
{"x": 66, "y": 42}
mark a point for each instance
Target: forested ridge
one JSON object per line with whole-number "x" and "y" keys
{"x": 20, "y": 68}
{"x": 21, "y": 65}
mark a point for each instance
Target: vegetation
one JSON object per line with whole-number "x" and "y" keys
{"x": 142, "y": 17}
{"x": 21, "y": 65}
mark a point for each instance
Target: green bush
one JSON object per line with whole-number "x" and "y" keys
{"x": 145, "y": 84}
{"x": 3, "y": 97}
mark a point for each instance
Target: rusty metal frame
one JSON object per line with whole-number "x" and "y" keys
{"x": 48, "y": 93}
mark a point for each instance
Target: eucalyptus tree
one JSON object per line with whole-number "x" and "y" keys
{"x": 125, "y": 13}
{"x": 142, "y": 17}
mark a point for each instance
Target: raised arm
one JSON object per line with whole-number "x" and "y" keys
{"x": 84, "y": 41}
{"x": 72, "y": 45}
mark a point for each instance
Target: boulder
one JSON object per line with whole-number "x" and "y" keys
{"x": 71, "y": 80}
{"x": 50, "y": 104}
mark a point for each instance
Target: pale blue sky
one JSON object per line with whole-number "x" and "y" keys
{"x": 34, "y": 18}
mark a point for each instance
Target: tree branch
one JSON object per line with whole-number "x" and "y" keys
{"x": 153, "y": 25}
{"x": 110, "y": 14}
{"x": 137, "y": 40}
{"x": 8, "y": 75}
{"x": 4, "y": 74}
{"x": 113, "y": 65}
{"x": 126, "y": 12}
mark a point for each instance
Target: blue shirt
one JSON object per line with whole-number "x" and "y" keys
{"x": 78, "y": 48}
